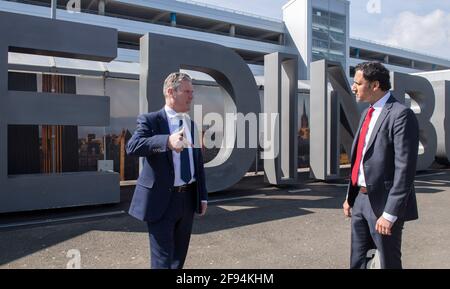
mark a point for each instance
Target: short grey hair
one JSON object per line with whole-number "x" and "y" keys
{"x": 174, "y": 80}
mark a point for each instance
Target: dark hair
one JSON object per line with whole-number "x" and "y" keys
{"x": 375, "y": 71}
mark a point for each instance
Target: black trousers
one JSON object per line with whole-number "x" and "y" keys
{"x": 365, "y": 238}
{"x": 170, "y": 236}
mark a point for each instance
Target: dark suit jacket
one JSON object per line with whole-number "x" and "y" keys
{"x": 390, "y": 162}
{"x": 155, "y": 183}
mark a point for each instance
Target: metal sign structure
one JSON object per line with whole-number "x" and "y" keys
{"x": 334, "y": 112}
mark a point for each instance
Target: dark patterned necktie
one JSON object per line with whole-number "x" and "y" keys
{"x": 185, "y": 165}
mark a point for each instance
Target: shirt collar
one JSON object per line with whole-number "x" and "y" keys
{"x": 172, "y": 115}
{"x": 382, "y": 101}
{"x": 170, "y": 112}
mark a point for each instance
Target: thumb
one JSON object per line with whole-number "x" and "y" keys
{"x": 187, "y": 143}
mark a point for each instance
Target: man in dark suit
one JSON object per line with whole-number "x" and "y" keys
{"x": 381, "y": 196}
{"x": 171, "y": 186}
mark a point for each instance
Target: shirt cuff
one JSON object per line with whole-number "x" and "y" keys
{"x": 389, "y": 217}
{"x": 204, "y": 201}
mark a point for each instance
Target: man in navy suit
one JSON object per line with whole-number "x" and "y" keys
{"x": 381, "y": 195}
{"x": 171, "y": 186}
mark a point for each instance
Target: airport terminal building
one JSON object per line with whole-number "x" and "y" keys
{"x": 311, "y": 29}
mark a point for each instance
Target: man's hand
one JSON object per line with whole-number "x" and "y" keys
{"x": 204, "y": 207}
{"x": 347, "y": 209}
{"x": 383, "y": 226}
{"x": 175, "y": 141}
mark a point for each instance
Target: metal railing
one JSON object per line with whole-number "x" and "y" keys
{"x": 400, "y": 48}
{"x": 229, "y": 10}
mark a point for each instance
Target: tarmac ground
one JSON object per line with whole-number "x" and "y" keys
{"x": 251, "y": 225}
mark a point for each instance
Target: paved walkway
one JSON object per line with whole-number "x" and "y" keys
{"x": 253, "y": 225}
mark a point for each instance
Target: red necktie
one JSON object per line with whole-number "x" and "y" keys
{"x": 361, "y": 141}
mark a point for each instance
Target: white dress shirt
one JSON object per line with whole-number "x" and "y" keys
{"x": 173, "y": 119}
{"x": 378, "y": 106}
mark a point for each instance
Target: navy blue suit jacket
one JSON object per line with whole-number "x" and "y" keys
{"x": 155, "y": 183}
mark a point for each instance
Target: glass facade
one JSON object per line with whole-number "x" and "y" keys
{"x": 53, "y": 149}
{"x": 59, "y": 149}
{"x": 328, "y": 36}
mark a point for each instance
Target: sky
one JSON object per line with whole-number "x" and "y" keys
{"x": 419, "y": 25}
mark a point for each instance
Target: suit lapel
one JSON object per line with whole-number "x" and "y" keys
{"x": 163, "y": 126}
{"x": 386, "y": 109}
